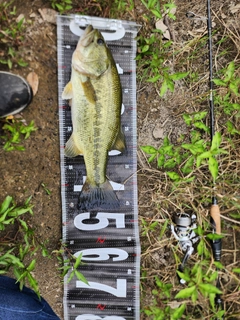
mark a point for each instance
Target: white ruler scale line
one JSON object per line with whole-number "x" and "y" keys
{"x": 109, "y": 240}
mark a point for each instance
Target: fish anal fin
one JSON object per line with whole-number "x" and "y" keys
{"x": 71, "y": 150}
{"x": 67, "y": 92}
{"x": 119, "y": 143}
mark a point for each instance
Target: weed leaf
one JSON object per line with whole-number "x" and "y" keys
{"x": 149, "y": 149}
{"x": 213, "y": 167}
{"x": 185, "y": 293}
{"x": 177, "y": 314}
{"x": 207, "y": 288}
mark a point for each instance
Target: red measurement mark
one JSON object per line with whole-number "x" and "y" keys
{"x": 65, "y": 185}
{"x": 101, "y": 306}
{"x": 101, "y": 240}
{"x": 62, "y": 67}
{"x": 65, "y": 223}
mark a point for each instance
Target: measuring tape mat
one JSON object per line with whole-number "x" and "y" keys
{"x": 109, "y": 240}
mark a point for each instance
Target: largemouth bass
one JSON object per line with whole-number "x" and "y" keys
{"x": 96, "y": 94}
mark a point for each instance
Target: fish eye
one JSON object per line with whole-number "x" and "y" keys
{"x": 100, "y": 41}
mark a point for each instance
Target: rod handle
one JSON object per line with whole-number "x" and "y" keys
{"x": 215, "y": 214}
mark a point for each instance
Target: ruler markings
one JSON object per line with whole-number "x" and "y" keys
{"x": 121, "y": 235}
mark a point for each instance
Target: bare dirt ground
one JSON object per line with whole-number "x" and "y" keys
{"x": 23, "y": 172}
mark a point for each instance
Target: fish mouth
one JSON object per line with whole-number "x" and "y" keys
{"x": 87, "y": 36}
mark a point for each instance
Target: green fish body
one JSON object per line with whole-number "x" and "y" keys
{"x": 96, "y": 94}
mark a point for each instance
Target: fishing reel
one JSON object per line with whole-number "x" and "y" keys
{"x": 183, "y": 231}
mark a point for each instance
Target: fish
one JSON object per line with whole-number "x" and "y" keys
{"x": 96, "y": 98}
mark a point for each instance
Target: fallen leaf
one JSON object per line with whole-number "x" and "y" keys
{"x": 32, "y": 79}
{"x": 161, "y": 26}
{"x": 48, "y": 15}
{"x": 234, "y": 9}
{"x": 20, "y": 17}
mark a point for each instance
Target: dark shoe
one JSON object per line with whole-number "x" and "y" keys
{"x": 15, "y": 94}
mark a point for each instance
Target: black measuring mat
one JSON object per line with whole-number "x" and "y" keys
{"x": 108, "y": 240}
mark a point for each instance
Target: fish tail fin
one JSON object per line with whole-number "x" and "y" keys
{"x": 97, "y": 197}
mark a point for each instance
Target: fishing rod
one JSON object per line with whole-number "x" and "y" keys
{"x": 215, "y": 219}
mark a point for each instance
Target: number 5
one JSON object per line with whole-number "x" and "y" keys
{"x": 103, "y": 218}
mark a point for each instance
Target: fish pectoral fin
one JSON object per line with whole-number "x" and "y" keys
{"x": 71, "y": 150}
{"x": 88, "y": 89}
{"x": 67, "y": 92}
{"x": 119, "y": 143}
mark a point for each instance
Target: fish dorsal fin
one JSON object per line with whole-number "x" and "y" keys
{"x": 71, "y": 150}
{"x": 119, "y": 143}
{"x": 88, "y": 89}
{"x": 67, "y": 92}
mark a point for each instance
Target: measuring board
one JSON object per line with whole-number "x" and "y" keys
{"x": 109, "y": 240}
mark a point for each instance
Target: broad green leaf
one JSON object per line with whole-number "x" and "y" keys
{"x": 22, "y": 63}
{"x": 173, "y": 175}
{"x": 177, "y": 314}
{"x": 33, "y": 283}
{"x": 193, "y": 148}
{"x": 212, "y": 297}
{"x": 216, "y": 141}
{"x": 70, "y": 276}
{"x": 161, "y": 160}
{"x": 201, "y": 125}
{"x": 237, "y": 270}
{"x": 149, "y": 149}
{"x": 170, "y": 85}
{"x": 154, "y": 79}
{"x": 184, "y": 276}
{"x": 152, "y": 158}
{"x": 231, "y": 128}
{"x": 19, "y": 25}
{"x": 157, "y": 13}
{"x": 213, "y": 167}
{"x": 77, "y": 261}
{"x": 145, "y": 48}
{"x": 185, "y": 293}
{"x": 187, "y": 118}
{"x": 200, "y": 247}
{"x": 164, "y": 88}
{"x": 229, "y": 72}
{"x": 178, "y": 75}
{"x": 80, "y": 276}
{"x": 214, "y": 276}
{"x": 218, "y": 264}
{"x": 60, "y": 8}
{"x": 197, "y": 116}
{"x": 207, "y": 288}
{"x": 234, "y": 87}
{"x": 32, "y": 265}
{"x": 219, "y": 82}
{"x": 214, "y": 236}
{"x": 187, "y": 168}
{"x": 5, "y": 204}
{"x": 24, "y": 225}
{"x": 235, "y": 215}
{"x": 9, "y": 62}
{"x": 169, "y": 164}
{"x": 194, "y": 296}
